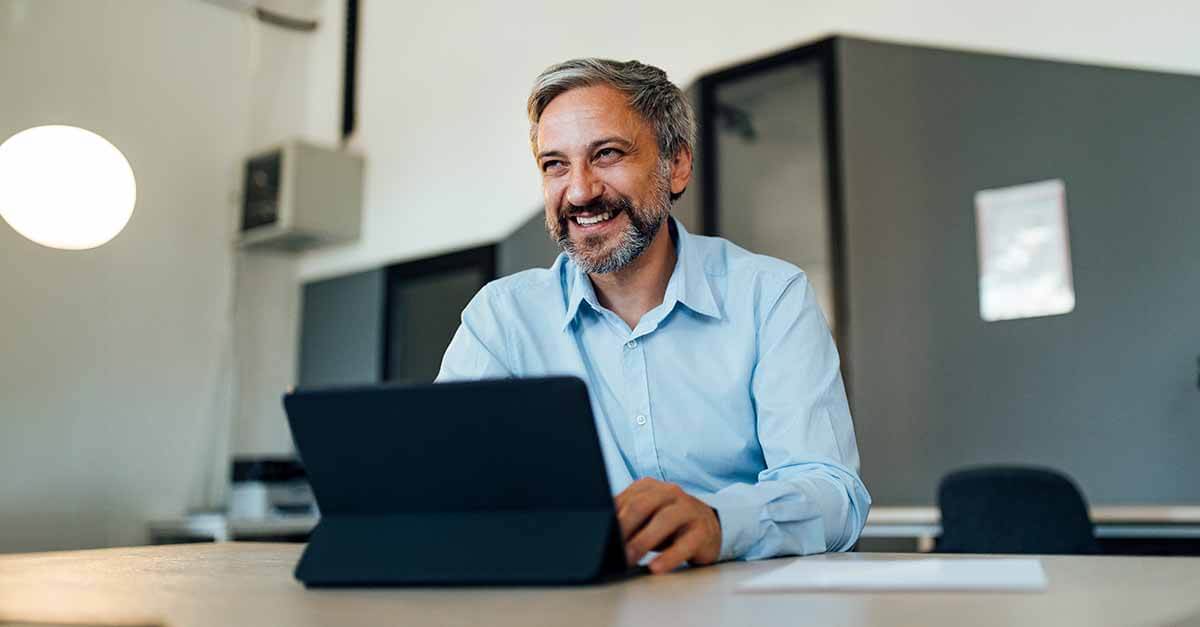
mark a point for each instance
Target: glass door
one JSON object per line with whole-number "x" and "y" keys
{"x": 767, "y": 164}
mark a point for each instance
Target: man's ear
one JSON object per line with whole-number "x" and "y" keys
{"x": 681, "y": 170}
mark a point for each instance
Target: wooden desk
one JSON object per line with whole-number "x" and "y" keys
{"x": 251, "y": 584}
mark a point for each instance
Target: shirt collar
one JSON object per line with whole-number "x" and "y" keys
{"x": 688, "y": 284}
{"x": 579, "y": 289}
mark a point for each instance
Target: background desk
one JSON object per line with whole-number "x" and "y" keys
{"x": 1122, "y": 529}
{"x": 251, "y": 584}
{"x": 1128, "y": 529}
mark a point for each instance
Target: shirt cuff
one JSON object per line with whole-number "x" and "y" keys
{"x": 740, "y": 519}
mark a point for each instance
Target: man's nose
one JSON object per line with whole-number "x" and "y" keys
{"x": 584, "y": 187}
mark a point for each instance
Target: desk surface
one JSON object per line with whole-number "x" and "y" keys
{"x": 1145, "y": 522}
{"x": 251, "y": 584}
{"x": 1101, "y": 515}
{"x": 1114, "y": 521}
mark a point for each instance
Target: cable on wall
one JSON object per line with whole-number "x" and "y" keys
{"x": 268, "y": 16}
{"x": 284, "y": 21}
{"x": 350, "y": 70}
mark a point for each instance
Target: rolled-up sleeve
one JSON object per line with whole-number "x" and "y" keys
{"x": 809, "y": 498}
{"x": 478, "y": 349}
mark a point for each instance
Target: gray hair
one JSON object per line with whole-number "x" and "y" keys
{"x": 657, "y": 99}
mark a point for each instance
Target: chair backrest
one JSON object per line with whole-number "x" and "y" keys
{"x": 1013, "y": 509}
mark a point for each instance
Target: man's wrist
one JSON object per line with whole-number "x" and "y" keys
{"x": 735, "y": 520}
{"x": 716, "y": 537}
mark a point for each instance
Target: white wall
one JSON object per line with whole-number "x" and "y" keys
{"x": 443, "y": 87}
{"x": 115, "y": 364}
{"x": 296, "y": 92}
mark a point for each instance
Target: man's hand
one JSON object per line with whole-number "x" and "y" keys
{"x": 660, "y": 516}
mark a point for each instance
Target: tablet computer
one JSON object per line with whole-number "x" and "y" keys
{"x": 482, "y": 482}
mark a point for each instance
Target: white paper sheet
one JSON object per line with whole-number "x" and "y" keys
{"x": 998, "y": 574}
{"x": 1024, "y": 252}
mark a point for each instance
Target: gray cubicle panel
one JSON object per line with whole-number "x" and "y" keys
{"x": 529, "y": 246}
{"x": 1108, "y": 392}
{"x": 394, "y": 323}
{"x": 341, "y": 330}
{"x": 387, "y": 324}
{"x": 423, "y": 314}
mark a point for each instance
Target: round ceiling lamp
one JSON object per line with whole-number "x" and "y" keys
{"x": 65, "y": 187}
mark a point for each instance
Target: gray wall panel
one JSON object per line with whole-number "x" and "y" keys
{"x": 425, "y": 312}
{"x": 341, "y": 337}
{"x": 527, "y": 247}
{"x": 1107, "y": 393}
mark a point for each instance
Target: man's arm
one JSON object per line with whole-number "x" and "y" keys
{"x": 478, "y": 350}
{"x": 809, "y": 498}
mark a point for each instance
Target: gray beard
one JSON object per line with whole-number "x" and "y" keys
{"x": 634, "y": 241}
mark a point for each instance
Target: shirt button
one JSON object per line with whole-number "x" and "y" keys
{"x": 631, "y": 344}
{"x": 641, "y": 420}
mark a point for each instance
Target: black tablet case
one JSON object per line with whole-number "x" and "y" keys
{"x": 486, "y": 482}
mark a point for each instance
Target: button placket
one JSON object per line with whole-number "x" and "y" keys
{"x": 638, "y": 387}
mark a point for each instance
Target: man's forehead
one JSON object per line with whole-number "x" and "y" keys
{"x": 581, "y": 115}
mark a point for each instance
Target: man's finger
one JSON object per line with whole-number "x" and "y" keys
{"x": 682, "y": 550}
{"x": 638, "y": 510}
{"x": 664, "y": 524}
{"x": 635, "y": 488}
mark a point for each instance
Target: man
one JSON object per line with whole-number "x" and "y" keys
{"x": 712, "y": 373}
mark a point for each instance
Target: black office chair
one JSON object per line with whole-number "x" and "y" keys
{"x": 1013, "y": 509}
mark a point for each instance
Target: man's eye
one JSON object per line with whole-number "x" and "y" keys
{"x": 608, "y": 153}
{"x": 551, "y": 165}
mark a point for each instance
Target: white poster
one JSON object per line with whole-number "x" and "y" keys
{"x": 1024, "y": 251}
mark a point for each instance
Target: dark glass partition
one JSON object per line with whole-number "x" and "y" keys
{"x": 766, "y": 165}
{"x": 424, "y": 301}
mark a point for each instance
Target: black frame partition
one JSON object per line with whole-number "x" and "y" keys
{"x": 823, "y": 53}
{"x": 348, "y": 330}
{"x": 481, "y": 259}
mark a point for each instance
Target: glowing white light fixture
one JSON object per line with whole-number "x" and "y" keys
{"x": 65, "y": 187}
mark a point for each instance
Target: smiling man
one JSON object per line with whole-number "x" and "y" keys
{"x": 712, "y": 373}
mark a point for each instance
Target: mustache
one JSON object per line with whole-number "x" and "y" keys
{"x": 600, "y": 205}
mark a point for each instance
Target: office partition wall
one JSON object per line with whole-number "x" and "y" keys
{"x": 394, "y": 323}
{"x": 388, "y": 324}
{"x": 341, "y": 330}
{"x": 1106, "y": 392}
{"x": 767, "y": 143}
{"x": 424, "y": 301}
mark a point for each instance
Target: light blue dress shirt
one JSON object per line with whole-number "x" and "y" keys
{"x": 730, "y": 388}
